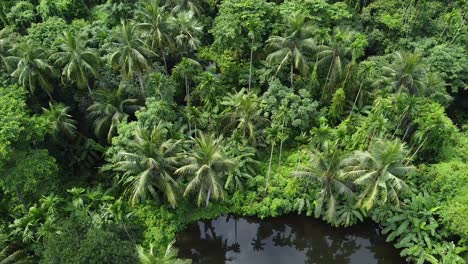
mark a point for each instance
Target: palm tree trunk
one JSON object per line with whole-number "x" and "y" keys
{"x": 142, "y": 84}
{"x": 401, "y": 121}
{"x": 187, "y": 95}
{"x": 298, "y": 161}
{"x": 21, "y": 198}
{"x": 208, "y": 196}
{"x": 328, "y": 76}
{"x": 281, "y": 143}
{"x": 406, "y": 132}
{"x": 269, "y": 167}
{"x": 292, "y": 74}
{"x": 419, "y": 148}
{"x": 163, "y": 55}
{"x": 355, "y": 99}
{"x": 251, "y": 61}
{"x": 89, "y": 89}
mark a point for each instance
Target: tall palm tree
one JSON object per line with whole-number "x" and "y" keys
{"x": 186, "y": 5}
{"x": 148, "y": 164}
{"x": 292, "y": 47}
{"x": 132, "y": 54}
{"x": 79, "y": 63}
{"x": 155, "y": 26}
{"x": 170, "y": 255}
{"x": 243, "y": 114}
{"x": 325, "y": 168}
{"x": 207, "y": 165}
{"x": 62, "y": 121}
{"x": 337, "y": 56}
{"x": 31, "y": 68}
{"x": 186, "y": 30}
{"x": 5, "y": 45}
{"x": 379, "y": 172}
{"x": 9, "y": 253}
{"x": 109, "y": 109}
{"x": 406, "y": 73}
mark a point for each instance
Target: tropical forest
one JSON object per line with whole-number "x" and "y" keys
{"x": 233, "y": 131}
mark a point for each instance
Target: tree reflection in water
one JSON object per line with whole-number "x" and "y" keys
{"x": 288, "y": 239}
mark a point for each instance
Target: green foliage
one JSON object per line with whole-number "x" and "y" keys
{"x": 304, "y": 115}
{"x": 80, "y": 243}
{"x": 67, "y": 9}
{"x": 45, "y": 33}
{"x": 241, "y": 23}
{"x": 21, "y": 15}
{"x": 211, "y": 68}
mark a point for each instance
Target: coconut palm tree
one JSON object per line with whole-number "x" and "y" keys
{"x": 336, "y": 56}
{"x": 155, "y": 26}
{"x": 243, "y": 115}
{"x": 186, "y": 31}
{"x": 406, "y": 73}
{"x": 325, "y": 168}
{"x": 292, "y": 47}
{"x": 148, "y": 164}
{"x": 9, "y": 253}
{"x": 379, "y": 172}
{"x": 62, "y": 121}
{"x": 109, "y": 109}
{"x": 5, "y": 45}
{"x": 78, "y": 62}
{"x": 170, "y": 255}
{"x": 208, "y": 166}
{"x": 132, "y": 54}
{"x": 31, "y": 68}
{"x": 186, "y": 5}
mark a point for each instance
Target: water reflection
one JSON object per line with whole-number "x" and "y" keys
{"x": 289, "y": 239}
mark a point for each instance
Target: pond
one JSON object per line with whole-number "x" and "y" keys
{"x": 287, "y": 239}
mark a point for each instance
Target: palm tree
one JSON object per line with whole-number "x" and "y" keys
{"x": 273, "y": 134}
{"x": 337, "y": 56}
{"x": 406, "y": 72}
{"x": 186, "y": 5}
{"x": 5, "y": 45}
{"x": 170, "y": 255}
{"x": 379, "y": 172}
{"x": 208, "y": 166}
{"x": 292, "y": 47}
{"x": 9, "y": 253}
{"x": 243, "y": 114}
{"x": 325, "y": 168}
{"x": 109, "y": 109}
{"x": 148, "y": 164}
{"x": 62, "y": 121}
{"x": 132, "y": 54}
{"x": 186, "y": 30}
{"x": 78, "y": 62}
{"x": 31, "y": 67}
{"x": 155, "y": 26}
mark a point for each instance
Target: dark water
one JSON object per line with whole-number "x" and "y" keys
{"x": 288, "y": 239}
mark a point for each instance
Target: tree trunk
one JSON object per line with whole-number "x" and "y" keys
{"x": 332, "y": 61}
{"x": 142, "y": 84}
{"x": 269, "y": 167}
{"x": 355, "y": 99}
{"x": 419, "y": 148}
{"x": 251, "y": 59}
{"x": 292, "y": 74}
{"x": 298, "y": 162}
{"x": 187, "y": 95}
{"x": 89, "y": 89}
{"x": 163, "y": 55}
{"x": 208, "y": 197}
{"x": 21, "y": 198}
{"x": 401, "y": 121}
